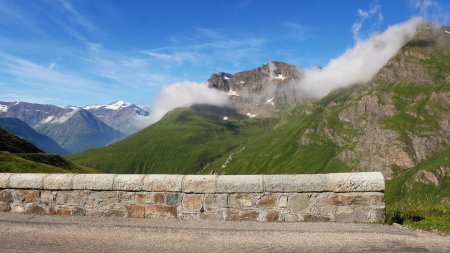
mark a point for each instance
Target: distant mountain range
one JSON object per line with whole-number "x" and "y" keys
{"x": 74, "y": 129}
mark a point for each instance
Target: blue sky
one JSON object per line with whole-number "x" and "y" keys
{"x": 96, "y": 51}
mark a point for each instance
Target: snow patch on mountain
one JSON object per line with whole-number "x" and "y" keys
{"x": 47, "y": 120}
{"x": 66, "y": 116}
{"x": 113, "y": 106}
{"x": 270, "y": 101}
{"x": 251, "y": 115}
{"x": 279, "y": 77}
{"x": 3, "y": 108}
{"x": 232, "y": 93}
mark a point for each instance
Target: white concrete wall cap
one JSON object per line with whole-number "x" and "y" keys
{"x": 27, "y": 181}
{"x": 58, "y": 181}
{"x": 356, "y": 182}
{"x": 240, "y": 183}
{"x": 200, "y": 184}
{"x": 4, "y": 180}
{"x": 295, "y": 183}
{"x": 128, "y": 182}
{"x": 93, "y": 182}
{"x": 163, "y": 183}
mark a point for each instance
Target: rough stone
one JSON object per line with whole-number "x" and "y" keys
{"x": 295, "y": 183}
{"x": 17, "y": 209}
{"x": 163, "y": 183}
{"x": 298, "y": 203}
{"x": 47, "y": 197}
{"x": 59, "y": 211}
{"x": 377, "y": 214}
{"x": 6, "y": 196}
{"x": 135, "y": 211}
{"x": 58, "y": 181}
{"x": 210, "y": 216}
{"x": 240, "y": 200}
{"x": 4, "y": 180}
{"x": 128, "y": 182}
{"x": 315, "y": 218}
{"x": 159, "y": 198}
{"x": 4, "y": 207}
{"x": 267, "y": 201}
{"x": 272, "y": 216}
{"x": 27, "y": 196}
{"x": 192, "y": 203}
{"x": 35, "y": 209}
{"x": 240, "y": 184}
{"x": 157, "y": 211}
{"x": 242, "y": 215}
{"x": 26, "y": 181}
{"x": 129, "y": 198}
{"x": 78, "y": 211}
{"x": 200, "y": 184}
{"x": 282, "y": 202}
{"x": 114, "y": 213}
{"x": 173, "y": 199}
{"x": 221, "y": 200}
{"x": 93, "y": 182}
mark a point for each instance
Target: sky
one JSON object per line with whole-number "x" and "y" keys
{"x": 85, "y": 52}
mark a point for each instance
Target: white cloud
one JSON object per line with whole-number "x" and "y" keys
{"x": 359, "y": 64}
{"x": 363, "y": 16}
{"x": 185, "y": 94}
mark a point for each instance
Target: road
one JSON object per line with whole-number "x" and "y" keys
{"x": 29, "y": 233}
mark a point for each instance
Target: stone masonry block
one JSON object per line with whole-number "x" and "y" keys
{"x": 27, "y": 181}
{"x": 128, "y": 182}
{"x": 240, "y": 184}
{"x": 200, "y": 184}
{"x": 192, "y": 203}
{"x": 163, "y": 183}
{"x": 58, "y": 181}
{"x": 295, "y": 183}
{"x": 93, "y": 182}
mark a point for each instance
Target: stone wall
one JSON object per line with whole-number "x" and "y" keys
{"x": 341, "y": 197}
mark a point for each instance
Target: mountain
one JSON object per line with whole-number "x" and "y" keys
{"x": 21, "y": 129}
{"x": 261, "y": 91}
{"x": 72, "y": 128}
{"x": 125, "y": 117}
{"x": 20, "y": 156}
{"x": 398, "y": 123}
{"x": 79, "y": 130}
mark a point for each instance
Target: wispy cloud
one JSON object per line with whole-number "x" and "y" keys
{"x": 296, "y": 31}
{"x": 363, "y": 15}
{"x": 431, "y": 10}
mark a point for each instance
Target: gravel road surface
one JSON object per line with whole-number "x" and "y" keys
{"x": 30, "y": 233}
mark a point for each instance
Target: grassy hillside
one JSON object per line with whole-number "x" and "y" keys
{"x": 37, "y": 163}
{"x": 184, "y": 141}
{"x": 20, "y": 156}
{"x": 11, "y": 143}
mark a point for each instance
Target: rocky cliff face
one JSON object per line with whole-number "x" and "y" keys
{"x": 259, "y": 92}
{"x": 401, "y": 117}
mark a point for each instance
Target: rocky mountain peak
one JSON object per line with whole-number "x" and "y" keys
{"x": 255, "y": 92}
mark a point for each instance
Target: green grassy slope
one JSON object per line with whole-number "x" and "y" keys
{"x": 20, "y": 156}
{"x": 184, "y": 141}
{"x": 14, "y": 144}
